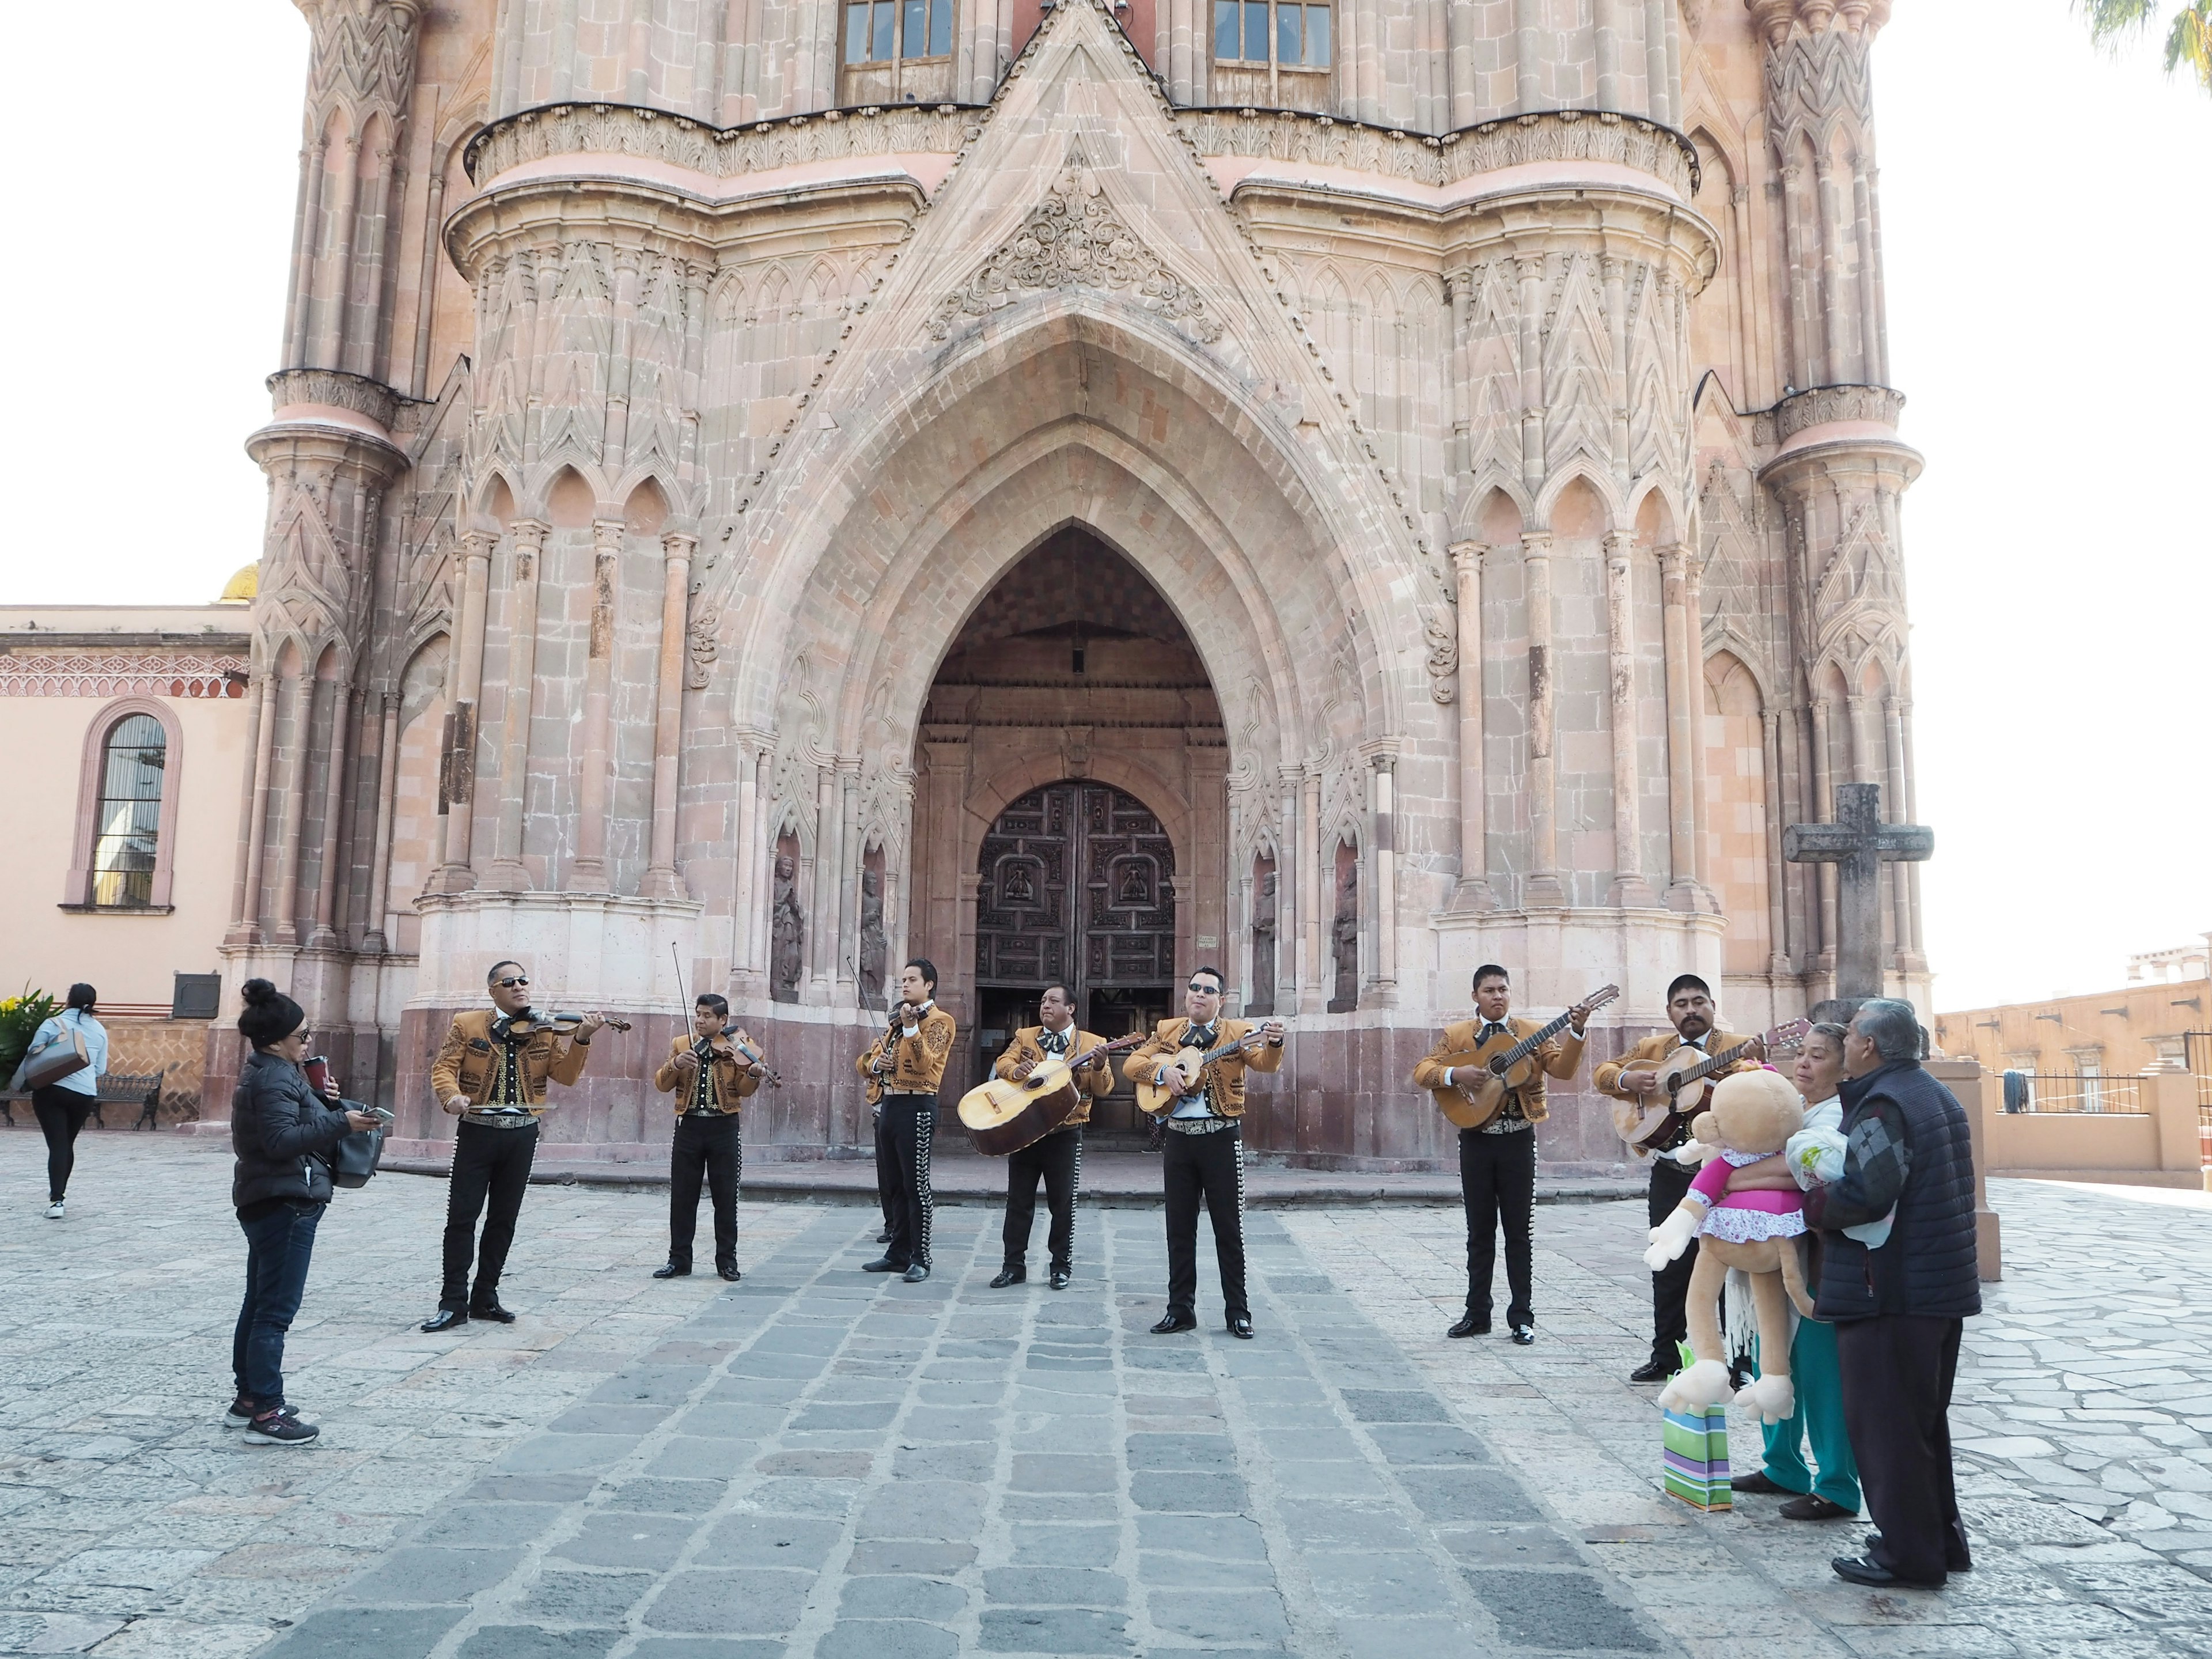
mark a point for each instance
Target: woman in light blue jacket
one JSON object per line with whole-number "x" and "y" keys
{"x": 64, "y": 1104}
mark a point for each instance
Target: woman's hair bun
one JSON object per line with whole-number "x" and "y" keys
{"x": 258, "y": 990}
{"x": 269, "y": 1015}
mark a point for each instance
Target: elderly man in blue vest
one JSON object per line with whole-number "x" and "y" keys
{"x": 1899, "y": 1298}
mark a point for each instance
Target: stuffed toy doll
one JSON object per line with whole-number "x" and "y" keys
{"x": 1753, "y": 1115}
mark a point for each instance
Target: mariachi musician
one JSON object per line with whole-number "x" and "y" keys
{"x": 491, "y": 1072}
{"x": 1633, "y": 1082}
{"x": 1498, "y": 1161}
{"x": 906, "y": 1064}
{"x": 1055, "y": 1158}
{"x": 710, "y": 1076}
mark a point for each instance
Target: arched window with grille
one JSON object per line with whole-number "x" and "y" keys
{"x": 126, "y": 808}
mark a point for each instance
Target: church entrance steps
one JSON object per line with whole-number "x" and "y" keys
{"x": 1111, "y": 1180}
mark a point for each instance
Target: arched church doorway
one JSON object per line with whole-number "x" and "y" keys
{"x": 1076, "y": 886}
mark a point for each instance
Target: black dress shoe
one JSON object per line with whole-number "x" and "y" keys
{"x": 916, "y": 1274}
{"x": 1652, "y": 1370}
{"x": 1241, "y": 1325}
{"x": 1525, "y": 1336}
{"x": 1471, "y": 1325}
{"x": 1954, "y": 1560}
{"x": 1813, "y": 1507}
{"x": 494, "y": 1312}
{"x": 670, "y": 1270}
{"x": 1010, "y": 1276}
{"x": 1170, "y": 1323}
{"x": 885, "y": 1236}
{"x": 729, "y": 1271}
{"x": 884, "y": 1264}
{"x": 1862, "y": 1569}
{"x": 1757, "y": 1481}
{"x": 1060, "y": 1277}
{"x": 445, "y": 1320}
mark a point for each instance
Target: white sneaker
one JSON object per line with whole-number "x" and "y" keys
{"x": 54, "y": 1210}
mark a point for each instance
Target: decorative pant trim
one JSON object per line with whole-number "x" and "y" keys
{"x": 1075, "y": 1197}
{"x": 925, "y": 1133}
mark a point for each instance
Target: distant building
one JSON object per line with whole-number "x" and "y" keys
{"x": 2100, "y": 1034}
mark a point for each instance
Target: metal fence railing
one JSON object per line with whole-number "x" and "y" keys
{"x": 2094, "y": 1093}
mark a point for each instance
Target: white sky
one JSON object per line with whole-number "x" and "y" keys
{"x": 2048, "y": 247}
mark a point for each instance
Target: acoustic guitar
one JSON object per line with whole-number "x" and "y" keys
{"x": 1002, "y": 1116}
{"x": 1506, "y": 1063}
{"x": 1155, "y": 1100}
{"x": 1685, "y": 1083}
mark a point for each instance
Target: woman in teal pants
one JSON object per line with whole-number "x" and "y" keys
{"x": 1832, "y": 1493}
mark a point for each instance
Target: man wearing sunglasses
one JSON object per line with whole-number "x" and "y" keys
{"x": 1204, "y": 1157}
{"x": 491, "y": 1073}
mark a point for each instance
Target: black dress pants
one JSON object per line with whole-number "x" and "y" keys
{"x": 1498, "y": 1184}
{"x": 488, "y": 1163}
{"x": 61, "y": 1114}
{"x": 707, "y": 1144}
{"x": 1057, "y": 1159}
{"x": 1897, "y": 1369}
{"x": 910, "y": 1125}
{"x": 1670, "y": 1285}
{"x": 886, "y": 1175}
{"x": 1209, "y": 1167}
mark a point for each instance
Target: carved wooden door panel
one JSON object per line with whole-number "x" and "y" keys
{"x": 1127, "y": 868}
{"x": 1024, "y": 905}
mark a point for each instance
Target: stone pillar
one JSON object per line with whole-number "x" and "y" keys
{"x": 1683, "y": 701}
{"x": 745, "y": 899}
{"x": 822, "y": 923}
{"x": 661, "y": 879}
{"x": 298, "y": 713}
{"x": 589, "y": 873}
{"x": 845, "y": 947}
{"x": 1290, "y": 900}
{"x": 254, "y": 813}
{"x": 505, "y": 872}
{"x": 1543, "y": 888}
{"x": 1629, "y": 886}
{"x": 343, "y": 699}
{"x": 1474, "y": 889}
{"x": 1894, "y": 793}
{"x": 373, "y": 940}
{"x": 1693, "y": 643}
{"x": 1313, "y": 970}
{"x": 455, "y": 874}
{"x": 1383, "y": 758}
{"x": 1662, "y": 75}
{"x": 1778, "y": 919}
{"x": 1824, "y": 811}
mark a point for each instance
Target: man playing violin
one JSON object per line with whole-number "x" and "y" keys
{"x": 1204, "y": 1157}
{"x": 1057, "y": 1159}
{"x": 1633, "y": 1081}
{"x": 491, "y": 1072}
{"x": 709, "y": 1077}
{"x": 907, "y": 1061}
{"x": 1498, "y": 1161}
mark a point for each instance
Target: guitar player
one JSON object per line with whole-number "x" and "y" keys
{"x": 1633, "y": 1081}
{"x": 1057, "y": 1158}
{"x": 1498, "y": 1161}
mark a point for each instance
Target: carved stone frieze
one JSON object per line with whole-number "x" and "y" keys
{"x": 1825, "y": 403}
{"x": 720, "y": 152}
{"x": 1812, "y": 77}
{"x": 1073, "y": 238}
{"x": 1440, "y": 634}
{"x": 196, "y": 673}
{"x": 335, "y": 387}
{"x": 364, "y": 55}
{"x": 1550, "y": 136}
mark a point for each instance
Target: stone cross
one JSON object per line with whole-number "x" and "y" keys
{"x": 1858, "y": 843}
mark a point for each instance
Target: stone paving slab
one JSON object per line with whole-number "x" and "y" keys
{"x": 816, "y": 1462}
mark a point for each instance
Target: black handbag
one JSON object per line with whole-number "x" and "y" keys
{"x": 355, "y": 1158}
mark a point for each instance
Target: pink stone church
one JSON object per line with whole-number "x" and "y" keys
{"x": 1341, "y": 491}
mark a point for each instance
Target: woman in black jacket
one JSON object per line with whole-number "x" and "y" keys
{"x": 284, "y": 1137}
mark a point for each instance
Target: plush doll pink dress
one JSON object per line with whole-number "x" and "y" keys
{"x": 1746, "y": 1218}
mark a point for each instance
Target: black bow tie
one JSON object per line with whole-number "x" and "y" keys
{"x": 1198, "y": 1036}
{"x": 1053, "y": 1042}
{"x": 1492, "y": 1028}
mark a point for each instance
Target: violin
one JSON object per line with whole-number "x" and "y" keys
{"x": 567, "y": 1024}
{"x": 703, "y": 1052}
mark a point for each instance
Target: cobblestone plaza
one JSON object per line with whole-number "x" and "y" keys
{"x": 813, "y": 1462}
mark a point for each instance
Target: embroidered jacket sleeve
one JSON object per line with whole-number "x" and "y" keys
{"x": 1156, "y": 1051}
{"x": 1022, "y": 1048}
{"x": 1098, "y": 1079}
{"x": 445, "y": 1069}
{"x": 1458, "y": 1038}
{"x": 1877, "y": 1158}
{"x": 569, "y": 1056}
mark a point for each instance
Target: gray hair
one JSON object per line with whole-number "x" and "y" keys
{"x": 1891, "y": 1026}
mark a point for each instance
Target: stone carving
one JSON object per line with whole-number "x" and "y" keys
{"x": 364, "y": 53}
{"x": 1344, "y": 940}
{"x": 700, "y": 649}
{"x": 1824, "y": 403}
{"x": 1261, "y": 999}
{"x": 27, "y": 673}
{"x": 875, "y": 945}
{"x": 787, "y": 932}
{"x": 1017, "y": 888}
{"x": 619, "y": 129}
{"x": 1550, "y": 136}
{"x": 335, "y": 387}
{"x": 1073, "y": 239}
{"x": 1442, "y": 635}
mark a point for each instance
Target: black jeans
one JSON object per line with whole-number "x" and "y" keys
{"x": 910, "y": 1125}
{"x": 1670, "y": 1285}
{"x": 1057, "y": 1159}
{"x": 61, "y": 1114}
{"x": 887, "y": 1192}
{"x": 1498, "y": 1184}
{"x": 1209, "y": 1167}
{"x": 492, "y": 1164}
{"x": 713, "y": 1147}
{"x": 277, "y": 1249}
{"x": 1897, "y": 1369}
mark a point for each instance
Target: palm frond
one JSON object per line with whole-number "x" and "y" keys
{"x": 2190, "y": 41}
{"x": 2110, "y": 19}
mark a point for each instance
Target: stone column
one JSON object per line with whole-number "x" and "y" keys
{"x": 372, "y": 941}
{"x": 342, "y": 699}
{"x": 589, "y": 873}
{"x": 1660, "y": 70}
{"x": 505, "y": 872}
{"x": 1529, "y": 88}
{"x": 1383, "y": 759}
{"x": 844, "y": 952}
{"x": 292, "y": 802}
{"x": 1474, "y": 889}
{"x": 246, "y": 882}
{"x": 1313, "y": 975}
{"x": 822, "y": 922}
{"x": 1629, "y": 887}
{"x": 1605, "y": 27}
{"x": 1894, "y": 795}
{"x": 661, "y": 880}
{"x": 1824, "y": 811}
{"x": 745, "y": 893}
{"x": 1693, "y": 623}
{"x": 455, "y": 874}
{"x": 1543, "y": 888}
{"x": 1777, "y": 921}
{"x": 1290, "y": 901}
{"x": 1682, "y": 890}
{"x": 333, "y": 275}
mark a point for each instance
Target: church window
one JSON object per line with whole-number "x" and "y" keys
{"x": 129, "y": 819}
{"x": 1294, "y": 37}
{"x": 889, "y": 31}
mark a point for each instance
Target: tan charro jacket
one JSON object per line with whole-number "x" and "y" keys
{"x": 468, "y": 1062}
{"x": 1562, "y": 1057}
{"x": 1091, "y": 1082}
{"x": 1225, "y": 1076}
{"x": 918, "y": 1063}
{"x": 1647, "y": 1054}
{"x": 733, "y": 1080}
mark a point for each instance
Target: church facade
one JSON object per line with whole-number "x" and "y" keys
{"x": 1344, "y": 492}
